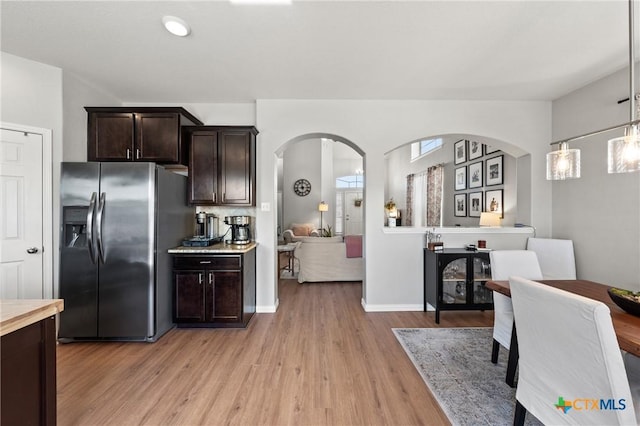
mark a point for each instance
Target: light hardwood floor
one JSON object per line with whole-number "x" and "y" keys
{"x": 320, "y": 360}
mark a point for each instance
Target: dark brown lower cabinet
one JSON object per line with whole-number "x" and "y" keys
{"x": 216, "y": 290}
{"x": 28, "y": 375}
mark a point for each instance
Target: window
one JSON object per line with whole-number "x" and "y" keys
{"x": 421, "y": 148}
{"x": 355, "y": 181}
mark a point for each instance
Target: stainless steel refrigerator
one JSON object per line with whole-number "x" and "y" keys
{"x": 117, "y": 222}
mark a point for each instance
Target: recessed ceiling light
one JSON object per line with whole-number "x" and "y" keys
{"x": 176, "y": 26}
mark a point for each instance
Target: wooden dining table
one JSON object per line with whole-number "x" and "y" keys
{"x": 626, "y": 326}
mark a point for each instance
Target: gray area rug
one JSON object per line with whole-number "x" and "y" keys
{"x": 455, "y": 363}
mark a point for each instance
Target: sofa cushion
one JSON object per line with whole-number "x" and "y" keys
{"x": 302, "y": 229}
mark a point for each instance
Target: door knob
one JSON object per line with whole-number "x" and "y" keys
{"x": 32, "y": 250}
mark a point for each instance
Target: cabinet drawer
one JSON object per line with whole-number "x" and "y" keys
{"x": 208, "y": 262}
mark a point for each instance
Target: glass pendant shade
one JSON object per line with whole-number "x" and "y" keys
{"x": 564, "y": 163}
{"x": 624, "y": 152}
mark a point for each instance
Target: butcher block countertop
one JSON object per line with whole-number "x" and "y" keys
{"x": 220, "y": 248}
{"x": 19, "y": 313}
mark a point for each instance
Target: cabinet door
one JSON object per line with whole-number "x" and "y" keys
{"x": 481, "y": 274}
{"x": 224, "y": 303}
{"x": 236, "y": 167}
{"x": 157, "y": 137}
{"x": 454, "y": 279}
{"x": 203, "y": 169}
{"x": 189, "y": 296}
{"x": 110, "y": 136}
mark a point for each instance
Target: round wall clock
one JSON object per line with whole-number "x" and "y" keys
{"x": 302, "y": 187}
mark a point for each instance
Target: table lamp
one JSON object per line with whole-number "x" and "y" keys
{"x": 489, "y": 219}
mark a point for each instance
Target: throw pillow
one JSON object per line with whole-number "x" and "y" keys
{"x": 300, "y": 229}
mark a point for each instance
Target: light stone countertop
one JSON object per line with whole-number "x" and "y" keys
{"x": 220, "y": 248}
{"x": 19, "y": 313}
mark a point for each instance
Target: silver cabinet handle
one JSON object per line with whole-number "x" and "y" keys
{"x": 214, "y": 197}
{"x": 137, "y": 153}
{"x": 200, "y": 279}
{"x": 224, "y": 196}
{"x": 128, "y": 154}
{"x": 210, "y": 277}
{"x": 32, "y": 250}
{"x": 92, "y": 207}
{"x": 205, "y": 262}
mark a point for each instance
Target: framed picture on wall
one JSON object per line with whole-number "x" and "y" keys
{"x": 475, "y": 175}
{"x": 493, "y": 202}
{"x": 460, "y": 205}
{"x": 488, "y": 149}
{"x": 494, "y": 171}
{"x": 475, "y": 150}
{"x": 475, "y": 204}
{"x": 461, "y": 178}
{"x": 460, "y": 151}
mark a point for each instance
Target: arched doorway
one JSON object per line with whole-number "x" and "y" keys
{"x": 321, "y": 161}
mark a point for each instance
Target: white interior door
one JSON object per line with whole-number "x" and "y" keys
{"x": 352, "y": 213}
{"x": 21, "y": 211}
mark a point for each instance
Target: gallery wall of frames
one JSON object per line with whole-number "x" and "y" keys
{"x": 479, "y": 179}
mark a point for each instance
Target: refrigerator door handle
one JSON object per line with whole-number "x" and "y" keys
{"x": 90, "y": 211}
{"x": 99, "y": 220}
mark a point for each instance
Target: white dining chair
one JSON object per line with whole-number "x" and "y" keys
{"x": 569, "y": 356}
{"x": 505, "y": 263}
{"x": 556, "y": 257}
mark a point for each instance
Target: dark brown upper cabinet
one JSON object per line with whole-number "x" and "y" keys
{"x": 138, "y": 134}
{"x": 222, "y": 165}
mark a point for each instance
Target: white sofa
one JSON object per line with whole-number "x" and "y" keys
{"x": 299, "y": 231}
{"x": 325, "y": 259}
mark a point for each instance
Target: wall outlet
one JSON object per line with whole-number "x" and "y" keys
{"x": 265, "y": 207}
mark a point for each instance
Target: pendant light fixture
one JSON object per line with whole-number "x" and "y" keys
{"x": 564, "y": 163}
{"x": 623, "y": 152}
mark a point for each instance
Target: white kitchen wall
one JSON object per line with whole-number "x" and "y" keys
{"x": 76, "y": 95}
{"x": 375, "y": 127}
{"x": 599, "y": 212}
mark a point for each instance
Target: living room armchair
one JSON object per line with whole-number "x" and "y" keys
{"x": 298, "y": 231}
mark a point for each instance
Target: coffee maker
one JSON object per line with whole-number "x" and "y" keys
{"x": 201, "y": 225}
{"x": 206, "y": 231}
{"x": 240, "y": 232}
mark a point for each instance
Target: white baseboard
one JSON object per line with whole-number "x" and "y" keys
{"x": 392, "y": 308}
{"x": 269, "y": 309}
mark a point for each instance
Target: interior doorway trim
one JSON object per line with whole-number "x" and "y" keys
{"x": 47, "y": 202}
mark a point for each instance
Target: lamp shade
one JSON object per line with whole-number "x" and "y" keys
{"x": 489, "y": 219}
{"x": 563, "y": 163}
{"x": 624, "y": 152}
{"x": 323, "y": 207}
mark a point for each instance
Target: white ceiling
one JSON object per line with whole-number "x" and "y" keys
{"x": 502, "y": 50}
